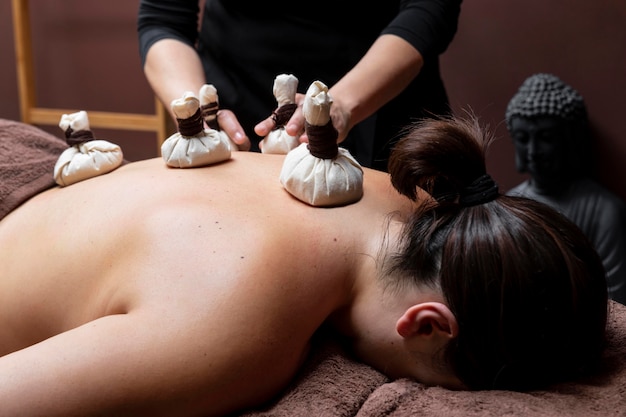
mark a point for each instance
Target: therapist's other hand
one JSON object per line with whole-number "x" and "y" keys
{"x": 295, "y": 125}
{"x": 228, "y": 122}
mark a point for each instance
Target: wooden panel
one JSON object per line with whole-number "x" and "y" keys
{"x": 32, "y": 114}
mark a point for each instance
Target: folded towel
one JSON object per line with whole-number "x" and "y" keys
{"x": 27, "y": 158}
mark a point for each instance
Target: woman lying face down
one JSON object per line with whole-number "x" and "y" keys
{"x": 161, "y": 291}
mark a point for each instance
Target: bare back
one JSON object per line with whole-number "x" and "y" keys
{"x": 214, "y": 277}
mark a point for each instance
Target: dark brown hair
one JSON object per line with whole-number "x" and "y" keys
{"x": 526, "y": 286}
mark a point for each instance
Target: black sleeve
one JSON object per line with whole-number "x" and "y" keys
{"x": 161, "y": 19}
{"x": 428, "y": 25}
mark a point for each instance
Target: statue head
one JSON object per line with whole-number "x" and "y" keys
{"x": 547, "y": 120}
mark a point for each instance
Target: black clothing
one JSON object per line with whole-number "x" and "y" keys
{"x": 244, "y": 45}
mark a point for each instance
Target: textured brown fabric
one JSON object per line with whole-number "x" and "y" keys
{"x": 27, "y": 159}
{"x": 334, "y": 385}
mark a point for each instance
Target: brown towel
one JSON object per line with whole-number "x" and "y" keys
{"x": 27, "y": 158}
{"x": 330, "y": 384}
{"x": 334, "y": 385}
{"x": 601, "y": 395}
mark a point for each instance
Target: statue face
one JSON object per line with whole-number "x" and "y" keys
{"x": 542, "y": 148}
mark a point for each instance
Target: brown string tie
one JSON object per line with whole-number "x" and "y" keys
{"x": 77, "y": 137}
{"x": 209, "y": 114}
{"x": 322, "y": 140}
{"x": 191, "y": 126}
{"x": 281, "y": 115}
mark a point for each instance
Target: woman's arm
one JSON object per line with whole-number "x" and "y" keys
{"x": 152, "y": 363}
{"x": 421, "y": 31}
{"x": 385, "y": 70}
{"x": 173, "y": 67}
{"x": 168, "y": 31}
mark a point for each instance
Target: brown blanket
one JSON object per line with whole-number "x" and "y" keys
{"x": 334, "y": 385}
{"x": 27, "y": 158}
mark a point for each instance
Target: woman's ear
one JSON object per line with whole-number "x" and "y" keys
{"x": 428, "y": 320}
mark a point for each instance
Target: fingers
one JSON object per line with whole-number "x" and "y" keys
{"x": 264, "y": 127}
{"x": 228, "y": 123}
{"x": 295, "y": 125}
{"x": 341, "y": 120}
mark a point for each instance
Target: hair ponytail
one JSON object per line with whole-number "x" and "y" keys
{"x": 445, "y": 157}
{"x": 526, "y": 286}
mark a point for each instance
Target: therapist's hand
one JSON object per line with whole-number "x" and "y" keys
{"x": 295, "y": 125}
{"x": 228, "y": 122}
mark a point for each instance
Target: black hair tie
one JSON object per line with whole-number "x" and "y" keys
{"x": 482, "y": 190}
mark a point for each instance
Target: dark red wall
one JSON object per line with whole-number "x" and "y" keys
{"x": 86, "y": 57}
{"x": 500, "y": 43}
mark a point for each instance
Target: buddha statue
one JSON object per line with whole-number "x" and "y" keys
{"x": 548, "y": 123}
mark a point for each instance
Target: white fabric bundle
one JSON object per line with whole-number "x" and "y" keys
{"x": 193, "y": 145}
{"x": 321, "y": 181}
{"x": 88, "y": 157}
{"x": 209, "y": 104}
{"x": 278, "y": 141}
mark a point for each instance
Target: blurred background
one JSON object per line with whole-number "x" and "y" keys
{"x": 86, "y": 57}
